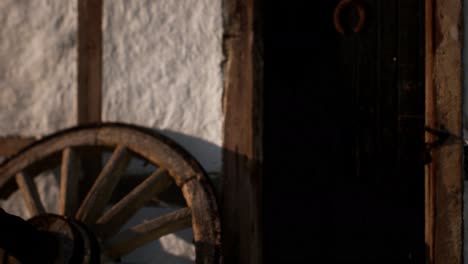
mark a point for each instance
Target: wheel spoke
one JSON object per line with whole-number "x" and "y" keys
{"x": 121, "y": 212}
{"x": 137, "y": 236}
{"x": 101, "y": 191}
{"x": 69, "y": 178}
{"x": 30, "y": 194}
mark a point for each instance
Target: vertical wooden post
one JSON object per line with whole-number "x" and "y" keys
{"x": 89, "y": 61}
{"x": 241, "y": 198}
{"x": 89, "y": 79}
{"x": 444, "y": 93}
{"x": 429, "y": 91}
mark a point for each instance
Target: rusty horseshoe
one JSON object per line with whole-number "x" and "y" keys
{"x": 345, "y": 4}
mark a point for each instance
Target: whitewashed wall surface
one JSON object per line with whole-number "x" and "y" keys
{"x": 162, "y": 70}
{"x": 38, "y": 51}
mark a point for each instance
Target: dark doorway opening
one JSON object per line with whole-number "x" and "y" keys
{"x": 344, "y": 135}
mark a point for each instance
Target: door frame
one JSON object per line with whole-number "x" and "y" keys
{"x": 444, "y": 96}
{"x": 241, "y": 196}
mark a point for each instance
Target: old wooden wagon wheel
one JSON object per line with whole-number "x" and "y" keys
{"x": 88, "y": 229}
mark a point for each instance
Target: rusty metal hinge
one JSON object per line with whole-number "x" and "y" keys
{"x": 443, "y": 137}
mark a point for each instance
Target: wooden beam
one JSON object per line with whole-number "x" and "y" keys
{"x": 89, "y": 100}
{"x": 242, "y": 157}
{"x": 89, "y": 61}
{"x": 429, "y": 122}
{"x": 444, "y": 93}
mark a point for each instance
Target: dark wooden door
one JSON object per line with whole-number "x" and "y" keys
{"x": 344, "y": 134}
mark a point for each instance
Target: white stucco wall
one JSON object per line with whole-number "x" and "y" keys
{"x": 162, "y": 69}
{"x": 37, "y": 66}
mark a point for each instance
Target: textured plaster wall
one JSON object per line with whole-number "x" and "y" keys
{"x": 37, "y": 66}
{"x": 162, "y": 69}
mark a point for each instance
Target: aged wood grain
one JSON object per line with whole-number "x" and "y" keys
{"x": 137, "y": 236}
{"x": 100, "y": 193}
{"x": 242, "y": 157}
{"x": 429, "y": 122}
{"x": 172, "y": 196}
{"x": 156, "y": 148}
{"x": 89, "y": 90}
{"x": 207, "y": 237}
{"x": 69, "y": 178}
{"x": 121, "y": 212}
{"x": 89, "y": 61}
{"x": 30, "y": 194}
{"x": 447, "y": 178}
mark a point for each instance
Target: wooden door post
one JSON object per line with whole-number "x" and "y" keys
{"x": 444, "y": 93}
{"x": 242, "y": 157}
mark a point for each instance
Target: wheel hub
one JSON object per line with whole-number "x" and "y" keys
{"x": 75, "y": 243}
